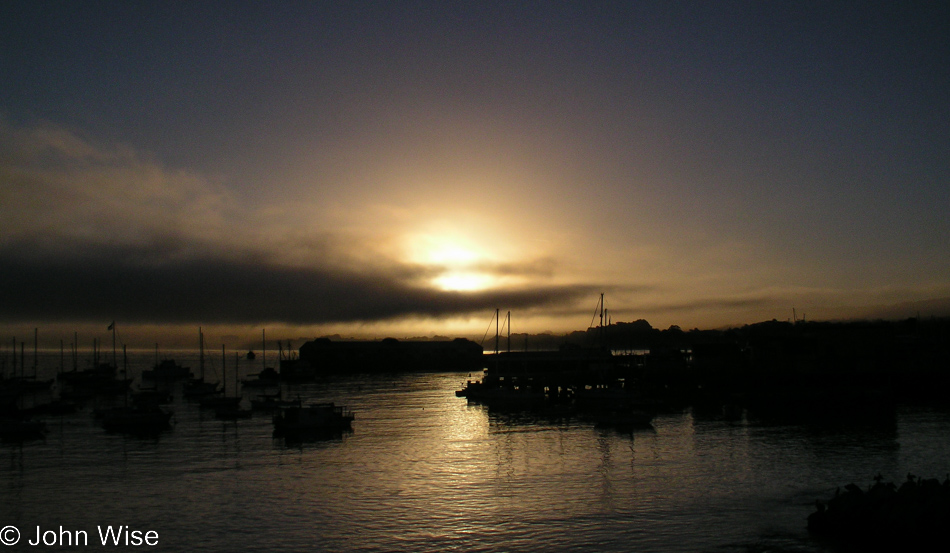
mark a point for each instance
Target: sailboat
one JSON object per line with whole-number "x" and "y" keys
{"x": 268, "y": 377}
{"x": 218, "y": 398}
{"x": 315, "y": 420}
{"x": 227, "y": 407}
{"x": 14, "y": 391}
{"x": 166, "y": 369}
{"x": 24, "y": 383}
{"x": 137, "y": 418}
{"x": 197, "y": 387}
{"x": 99, "y": 380}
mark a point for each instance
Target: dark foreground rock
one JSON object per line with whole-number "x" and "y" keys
{"x": 885, "y": 515}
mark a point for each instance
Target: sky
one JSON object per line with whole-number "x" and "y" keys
{"x": 405, "y": 168}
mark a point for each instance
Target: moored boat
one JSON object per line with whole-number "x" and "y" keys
{"x": 225, "y": 406}
{"x": 167, "y": 369}
{"x": 267, "y": 378}
{"x": 198, "y": 386}
{"x": 317, "y": 417}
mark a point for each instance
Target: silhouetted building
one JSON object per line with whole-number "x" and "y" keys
{"x": 392, "y": 355}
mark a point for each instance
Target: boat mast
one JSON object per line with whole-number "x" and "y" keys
{"x": 508, "y": 324}
{"x": 224, "y": 372}
{"x": 496, "y": 331}
{"x": 601, "y": 309}
{"x": 201, "y": 353}
{"x": 125, "y": 371}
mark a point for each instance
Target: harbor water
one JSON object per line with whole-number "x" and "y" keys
{"x": 424, "y": 470}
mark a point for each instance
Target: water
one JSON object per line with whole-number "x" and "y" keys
{"x": 423, "y": 470}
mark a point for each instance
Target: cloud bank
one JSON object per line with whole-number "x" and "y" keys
{"x": 98, "y": 232}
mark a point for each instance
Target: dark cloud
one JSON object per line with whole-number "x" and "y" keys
{"x": 544, "y": 267}
{"x": 92, "y": 231}
{"x": 129, "y": 283}
{"x": 729, "y": 303}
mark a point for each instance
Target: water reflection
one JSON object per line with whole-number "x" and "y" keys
{"x": 424, "y": 470}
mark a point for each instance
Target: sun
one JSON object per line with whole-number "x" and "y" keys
{"x": 457, "y": 262}
{"x": 464, "y": 281}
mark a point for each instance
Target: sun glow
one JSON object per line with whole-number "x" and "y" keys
{"x": 451, "y": 254}
{"x": 458, "y": 263}
{"x": 464, "y": 281}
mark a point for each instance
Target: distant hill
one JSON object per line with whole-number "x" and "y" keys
{"x": 939, "y": 307}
